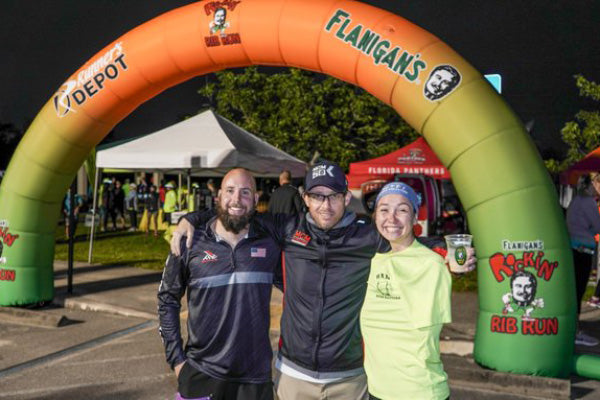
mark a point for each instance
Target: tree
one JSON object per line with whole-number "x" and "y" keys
{"x": 302, "y": 112}
{"x": 583, "y": 134}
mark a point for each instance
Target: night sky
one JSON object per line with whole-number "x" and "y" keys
{"x": 537, "y": 47}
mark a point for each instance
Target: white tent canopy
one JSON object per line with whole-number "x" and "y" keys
{"x": 206, "y": 144}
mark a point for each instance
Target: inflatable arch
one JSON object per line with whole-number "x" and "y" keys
{"x": 511, "y": 203}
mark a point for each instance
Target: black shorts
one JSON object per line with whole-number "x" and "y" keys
{"x": 193, "y": 384}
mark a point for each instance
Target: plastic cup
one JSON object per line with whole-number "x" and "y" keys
{"x": 457, "y": 246}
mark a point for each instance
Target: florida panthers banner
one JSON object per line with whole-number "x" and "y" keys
{"x": 525, "y": 268}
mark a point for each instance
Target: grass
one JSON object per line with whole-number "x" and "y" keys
{"x": 138, "y": 250}
{"x": 120, "y": 247}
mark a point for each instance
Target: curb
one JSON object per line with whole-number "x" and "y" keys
{"x": 463, "y": 372}
{"x": 31, "y": 317}
{"x": 87, "y": 305}
{"x": 456, "y": 347}
{"x": 589, "y": 313}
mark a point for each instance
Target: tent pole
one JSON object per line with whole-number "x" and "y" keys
{"x": 189, "y": 199}
{"x": 189, "y": 179}
{"x": 94, "y": 211}
{"x": 179, "y": 192}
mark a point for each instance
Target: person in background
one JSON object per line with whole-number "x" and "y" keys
{"x": 142, "y": 189}
{"x": 194, "y": 198}
{"x": 78, "y": 203}
{"x": 119, "y": 203}
{"x": 131, "y": 202}
{"x": 170, "y": 205}
{"x": 126, "y": 186}
{"x": 162, "y": 191}
{"x": 182, "y": 198}
{"x": 583, "y": 222}
{"x": 101, "y": 204}
{"x": 406, "y": 303}
{"x": 210, "y": 195}
{"x": 108, "y": 201}
{"x": 285, "y": 199}
{"x": 152, "y": 205}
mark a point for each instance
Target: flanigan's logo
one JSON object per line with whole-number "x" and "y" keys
{"x": 442, "y": 80}
{"x": 371, "y": 43}
{"x": 90, "y": 81}
{"x": 521, "y": 300}
{"x": 460, "y": 255}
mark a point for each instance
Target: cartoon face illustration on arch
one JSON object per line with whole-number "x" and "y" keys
{"x": 523, "y": 288}
{"x": 219, "y": 22}
{"x": 442, "y": 80}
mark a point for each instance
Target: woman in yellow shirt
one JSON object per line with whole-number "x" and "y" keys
{"x": 406, "y": 304}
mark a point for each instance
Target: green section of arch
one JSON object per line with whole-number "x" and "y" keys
{"x": 509, "y": 197}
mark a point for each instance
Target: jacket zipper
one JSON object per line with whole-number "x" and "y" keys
{"x": 321, "y": 300}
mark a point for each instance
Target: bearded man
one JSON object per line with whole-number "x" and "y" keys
{"x": 523, "y": 287}
{"x": 227, "y": 273}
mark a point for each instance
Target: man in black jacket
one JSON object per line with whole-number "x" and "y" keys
{"x": 285, "y": 199}
{"x": 228, "y": 273}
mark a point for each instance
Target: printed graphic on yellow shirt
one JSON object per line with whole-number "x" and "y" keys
{"x": 384, "y": 287}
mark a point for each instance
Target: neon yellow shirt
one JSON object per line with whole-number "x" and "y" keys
{"x": 407, "y": 301}
{"x": 170, "y": 202}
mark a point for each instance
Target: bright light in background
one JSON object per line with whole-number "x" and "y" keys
{"x": 496, "y": 81}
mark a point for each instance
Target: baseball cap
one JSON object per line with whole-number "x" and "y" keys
{"x": 402, "y": 189}
{"x": 326, "y": 174}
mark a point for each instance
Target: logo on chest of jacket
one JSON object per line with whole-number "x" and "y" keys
{"x": 209, "y": 257}
{"x": 301, "y": 238}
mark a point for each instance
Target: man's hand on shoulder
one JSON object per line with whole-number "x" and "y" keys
{"x": 184, "y": 228}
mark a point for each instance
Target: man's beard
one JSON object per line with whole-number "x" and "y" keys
{"x": 234, "y": 223}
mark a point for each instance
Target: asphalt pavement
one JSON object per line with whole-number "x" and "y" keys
{"x": 102, "y": 342}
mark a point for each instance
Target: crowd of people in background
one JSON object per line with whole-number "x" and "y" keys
{"x": 122, "y": 204}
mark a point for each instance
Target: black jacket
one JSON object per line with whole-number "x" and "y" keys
{"x": 325, "y": 276}
{"x": 228, "y": 298}
{"x": 286, "y": 200}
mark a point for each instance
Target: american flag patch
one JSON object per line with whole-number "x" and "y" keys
{"x": 258, "y": 252}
